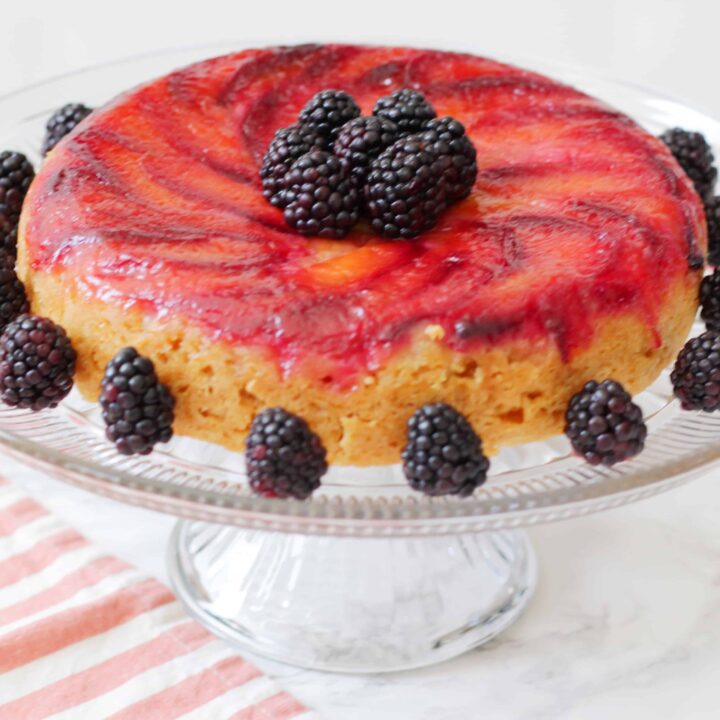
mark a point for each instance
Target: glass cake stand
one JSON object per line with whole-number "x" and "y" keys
{"x": 367, "y": 575}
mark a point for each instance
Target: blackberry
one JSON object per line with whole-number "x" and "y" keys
{"x": 361, "y": 140}
{"x": 443, "y": 455}
{"x": 604, "y": 425}
{"x": 321, "y": 196}
{"x": 710, "y": 301}
{"x": 696, "y": 375}
{"x": 8, "y": 237}
{"x": 13, "y": 301}
{"x": 712, "y": 215}
{"x": 405, "y": 191}
{"x": 446, "y": 137}
{"x": 137, "y": 408}
{"x": 284, "y": 457}
{"x": 408, "y": 109}
{"x": 328, "y": 111}
{"x": 37, "y": 363}
{"x": 693, "y": 153}
{"x": 16, "y": 174}
{"x": 285, "y": 148}
{"x": 61, "y": 122}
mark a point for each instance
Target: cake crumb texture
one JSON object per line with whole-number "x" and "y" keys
{"x": 512, "y": 393}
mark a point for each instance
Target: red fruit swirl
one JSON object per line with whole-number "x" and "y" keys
{"x": 155, "y": 203}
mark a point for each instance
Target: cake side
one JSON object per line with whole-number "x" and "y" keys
{"x": 512, "y": 392}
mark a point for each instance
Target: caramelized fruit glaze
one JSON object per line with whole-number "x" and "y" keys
{"x": 155, "y": 204}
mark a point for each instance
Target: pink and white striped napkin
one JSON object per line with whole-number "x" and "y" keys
{"x": 84, "y": 635}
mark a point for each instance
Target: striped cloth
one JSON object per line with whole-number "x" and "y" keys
{"x": 84, "y": 635}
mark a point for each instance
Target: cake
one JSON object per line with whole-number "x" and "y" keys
{"x": 577, "y": 255}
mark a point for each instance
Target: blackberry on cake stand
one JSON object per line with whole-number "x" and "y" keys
{"x": 366, "y": 575}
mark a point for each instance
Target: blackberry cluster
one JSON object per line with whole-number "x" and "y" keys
{"x": 13, "y": 301}
{"x": 712, "y": 215}
{"x": 710, "y": 301}
{"x": 61, "y": 122}
{"x": 604, "y": 425}
{"x": 405, "y": 193}
{"x": 320, "y": 196}
{"x": 284, "y": 457}
{"x": 37, "y": 363}
{"x": 443, "y": 455}
{"x": 402, "y": 166}
{"x": 16, "y": 174}
{"x": 695, "y": 156}
{"x": 328, "y": 111}
{"x": 361, "y": 140}
{"x": 408, "y": 109}
{"x": 696, "y": 374}
{"x": 138, "y": 410}
{"x": 286, "y": 147}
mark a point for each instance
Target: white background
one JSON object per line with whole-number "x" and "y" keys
{"x": 668, "y": 43}
{"x": 625, "y": 622}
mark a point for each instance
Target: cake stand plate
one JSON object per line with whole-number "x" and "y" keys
{"x": 367, "y": 575}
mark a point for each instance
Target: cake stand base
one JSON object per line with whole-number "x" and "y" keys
{"x": 352, "y": 604}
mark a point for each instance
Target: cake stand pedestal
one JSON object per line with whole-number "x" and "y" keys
{"x": 351, "y": 604}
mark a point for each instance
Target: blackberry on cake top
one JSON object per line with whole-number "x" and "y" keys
{"x": 328, "y": 111}
{"x": 286, "y": 147}
{"x": 62, "y": 122}
{"x": 446, "y": 137}
{"x": 406, "y": 191}
{"x": 361, "y": 140}
{"x": 37, "y": 363}
{"x": 320, "y": 196}
{"x": 408, "y": 109}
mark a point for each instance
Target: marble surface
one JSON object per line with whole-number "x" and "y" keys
{"x": 625, "y": 621}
